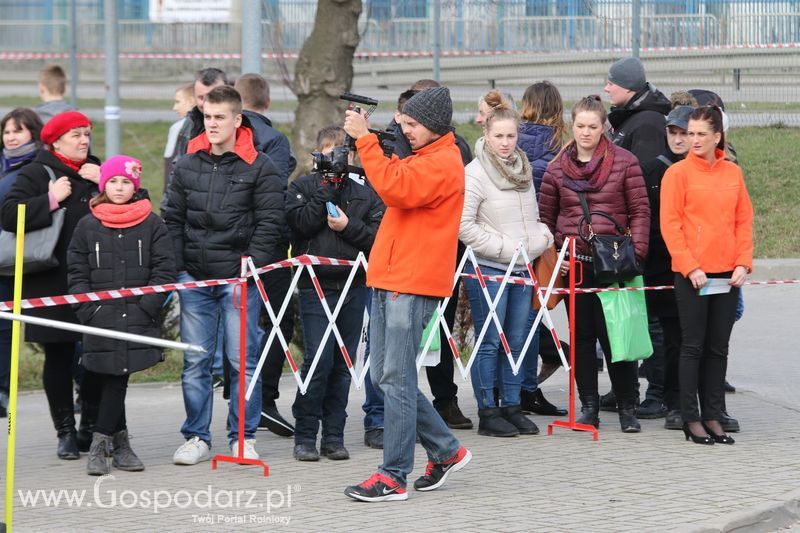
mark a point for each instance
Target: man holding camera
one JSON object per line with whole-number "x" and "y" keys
{"x": 411, "y": 267}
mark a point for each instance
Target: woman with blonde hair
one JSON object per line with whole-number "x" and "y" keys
{"x": 500, "y": 212}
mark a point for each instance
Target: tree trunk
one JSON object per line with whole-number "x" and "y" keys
{"x": 324, "y": 69}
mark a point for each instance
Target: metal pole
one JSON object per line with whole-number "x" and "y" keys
{"x": 636, "y": 27}
{"x": 73, "y": 54}
{"x": 112, "y": 78}
{"x": 251, "y": 36}
{"x": 437, "y": 39}
{"x": 109, "y": 333}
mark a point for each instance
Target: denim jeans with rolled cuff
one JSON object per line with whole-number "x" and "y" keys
{"x": 396, "y": 327}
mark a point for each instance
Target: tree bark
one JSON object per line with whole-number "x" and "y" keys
{"x": 324, "y": 69}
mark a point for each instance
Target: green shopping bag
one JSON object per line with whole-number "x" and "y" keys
{"x": 434, "y": 354}
{"x": 626, "y": 322}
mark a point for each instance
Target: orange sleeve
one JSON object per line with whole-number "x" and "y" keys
{"x": 673, "y": 198}
{"x": 744, "y": 228}
{"x": 406, "y": 184}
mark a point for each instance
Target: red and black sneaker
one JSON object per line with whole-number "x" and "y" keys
{"x": 436, "y": 473}
{"x": 378, "y": 488}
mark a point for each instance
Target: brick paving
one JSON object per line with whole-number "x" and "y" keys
{"x": 652, "y": 481}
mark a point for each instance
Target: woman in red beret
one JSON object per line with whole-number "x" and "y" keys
{"x": 62, "y": 174}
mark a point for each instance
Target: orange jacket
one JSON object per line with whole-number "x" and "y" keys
{"x": 415, "y": 248}
{"x": 706, "y": 216}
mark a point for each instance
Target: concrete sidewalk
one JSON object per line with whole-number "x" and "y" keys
{"x": 652, "y": 481}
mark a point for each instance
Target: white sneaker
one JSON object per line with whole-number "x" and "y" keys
{"x": 249, "y": 449}
{"x": 192, "y": 452}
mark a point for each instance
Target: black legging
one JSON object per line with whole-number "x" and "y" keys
{"x": 590, "y": 328}
{"x": 111, "y": 416}
{"x": 57, "y": 375}
{"x": 706, "y": 325}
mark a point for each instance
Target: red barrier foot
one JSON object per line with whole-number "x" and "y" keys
{"x": 239, "y": 461}
{"x": 574, "y": 426}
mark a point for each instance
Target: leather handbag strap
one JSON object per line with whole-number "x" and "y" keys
{"x": 50, "y": 172}
{"x": 588, "y": 216}
{"x": 664, "y": 159}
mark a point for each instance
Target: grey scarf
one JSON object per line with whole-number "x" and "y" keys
{"x": 511, "y": 173}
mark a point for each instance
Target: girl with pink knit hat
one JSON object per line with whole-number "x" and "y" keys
{"x": 122, "y": 243}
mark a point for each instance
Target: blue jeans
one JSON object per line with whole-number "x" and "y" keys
{"x": 202, "y": 310}
{"x": 514, "y": 312}
{"x": 740, "y": 306}
{"x": 530, "y": 365}
{"x": 326, "y": 396}
{"x": 396, "y": 326}
{"x": 373, "y": 401}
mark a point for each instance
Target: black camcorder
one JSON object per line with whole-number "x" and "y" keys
{"x": 334, "y": 165}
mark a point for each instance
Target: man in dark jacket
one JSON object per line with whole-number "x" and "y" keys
{"x": 205, "y": 80}
{"x": 637, "y": 110}
{"x": 663, "y": 380}
{"x": 637, "y": 119}
{"x": 316, "y": 231}
{"x": 254, "y": 91}
{"x": 226, "y": 201}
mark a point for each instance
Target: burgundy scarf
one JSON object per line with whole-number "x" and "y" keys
{"x": 589, "y": 176}
{"x": 122, "y": 215}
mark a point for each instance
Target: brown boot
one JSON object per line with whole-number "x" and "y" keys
{"x": 453, "y": 417}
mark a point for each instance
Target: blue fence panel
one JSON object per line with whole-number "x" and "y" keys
{"x": 406, "y": 25}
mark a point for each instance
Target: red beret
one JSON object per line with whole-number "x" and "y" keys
{"x": 62, "y": 123}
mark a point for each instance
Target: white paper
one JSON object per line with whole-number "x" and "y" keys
{"x": 715, "y": 286}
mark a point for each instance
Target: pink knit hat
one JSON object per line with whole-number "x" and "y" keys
{"x": 121, "y": 165}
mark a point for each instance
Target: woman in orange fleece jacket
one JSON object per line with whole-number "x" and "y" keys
{"x": 707, "y": 224}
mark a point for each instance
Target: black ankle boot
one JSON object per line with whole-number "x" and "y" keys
{"x": 590, "y": 408}
{"x": 492, "y": 424}
{"x": 627, "y": 416}
{"x": 86, "y": 428}
{"x": 535, "y": 402}
{"x": 64, "y": 422}
{"x": 525, "y": 426}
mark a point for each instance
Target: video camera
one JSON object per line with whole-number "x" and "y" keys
{"x": 334, "y": 165}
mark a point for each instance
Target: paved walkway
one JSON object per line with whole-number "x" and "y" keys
{"x": 653, "y": 481}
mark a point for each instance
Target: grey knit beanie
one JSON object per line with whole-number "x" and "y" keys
{"x": 628, "y": 73}
{"x": 432, "y": 108}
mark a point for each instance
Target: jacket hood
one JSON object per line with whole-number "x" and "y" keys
{"x": 244, "y": 147}
{"x": 648, "y": 99}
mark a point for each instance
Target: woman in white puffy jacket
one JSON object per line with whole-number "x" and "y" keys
{"x": 500, "y": 212}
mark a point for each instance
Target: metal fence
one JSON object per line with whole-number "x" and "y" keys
{"x": 407, "y": 26}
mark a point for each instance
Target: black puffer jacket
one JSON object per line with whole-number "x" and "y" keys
{"x": 308, "y": 219}
{"x": 31, "y": 189}
{"x": 223, "y": 207}
{"x": 658, "y": 266}
{"x": 271, "y": 142}
{"x": 102, "y": 258}
{"x": 640, "y": 125}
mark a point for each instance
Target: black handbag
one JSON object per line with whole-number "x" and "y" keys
{"x": 40, "y": 244}
{"x": 613, "y": 256}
